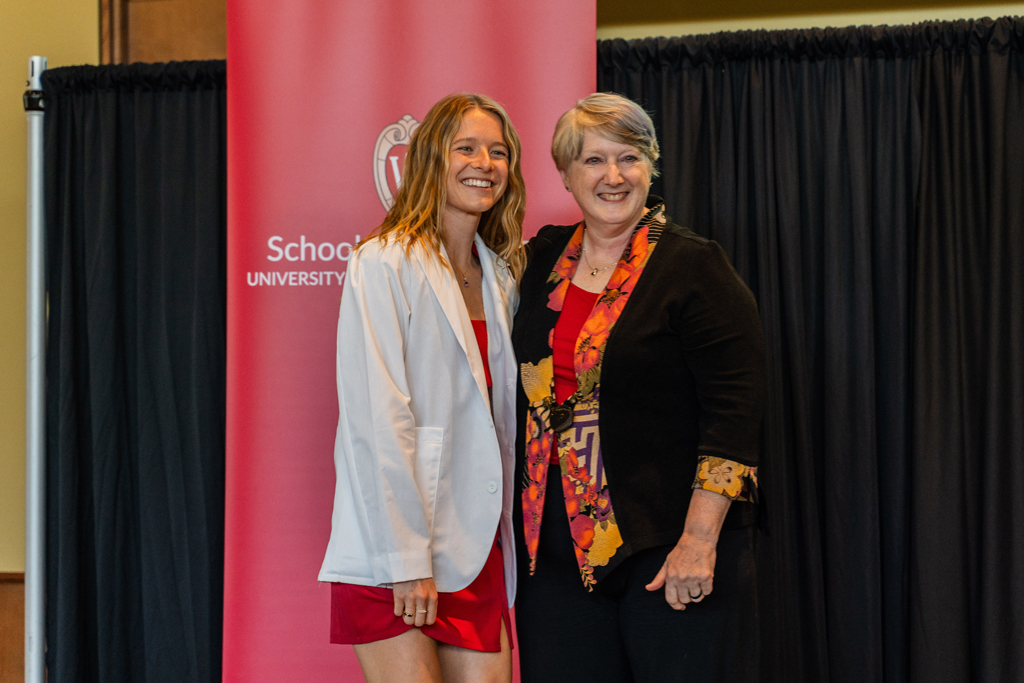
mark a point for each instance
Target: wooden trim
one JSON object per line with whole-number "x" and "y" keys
{"x": 12, "y": 577}
{"x": 113, "y": 31}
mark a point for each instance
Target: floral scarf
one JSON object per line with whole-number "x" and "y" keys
{"x": 592, "y": 523}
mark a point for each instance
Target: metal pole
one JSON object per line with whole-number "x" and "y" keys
{"x": 35, "y": 375}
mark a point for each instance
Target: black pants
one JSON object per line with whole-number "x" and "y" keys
{"x": 620, "y": 632}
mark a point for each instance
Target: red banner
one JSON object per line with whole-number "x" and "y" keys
{"x": 322, "y": 97}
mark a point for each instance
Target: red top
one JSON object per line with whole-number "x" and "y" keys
{"x": 575, "y": 311}
{"x": 480, "y": 329}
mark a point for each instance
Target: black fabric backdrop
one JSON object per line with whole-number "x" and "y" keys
{"x": 136, "y": 222}
{"x": 868, "y": 183}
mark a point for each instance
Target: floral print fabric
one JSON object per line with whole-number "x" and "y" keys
{"x": 588, "y": 503}
{"x": 729, "y": 478}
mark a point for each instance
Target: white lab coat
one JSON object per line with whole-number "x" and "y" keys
{"x": 424, "y": 473}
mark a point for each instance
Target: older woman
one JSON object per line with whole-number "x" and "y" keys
{"x": 641, "y": 358}
{"x": 420, "y": 557}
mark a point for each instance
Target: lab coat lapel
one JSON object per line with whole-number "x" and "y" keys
{"x": 443, "y": 284}
{"x": 497, "y": 310}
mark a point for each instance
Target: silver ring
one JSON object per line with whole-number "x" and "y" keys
{"x": 421, "y": 611}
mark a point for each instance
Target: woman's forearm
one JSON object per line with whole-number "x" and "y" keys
{"x": 706, "y": 515}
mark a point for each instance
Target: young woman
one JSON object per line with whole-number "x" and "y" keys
{"x": 421, "y": 553}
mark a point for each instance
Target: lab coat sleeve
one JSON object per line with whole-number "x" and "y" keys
{"x": 377, "y": 431}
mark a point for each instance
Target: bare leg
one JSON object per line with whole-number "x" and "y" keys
{"x": 411, "y": 657}
{"x": 471, "y": 666}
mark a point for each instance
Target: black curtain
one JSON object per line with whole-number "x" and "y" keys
{"x": 136, "y": 229}
{"x": 868, "y": 183}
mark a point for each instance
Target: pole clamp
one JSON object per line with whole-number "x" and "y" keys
{"x": 33, "y": 100}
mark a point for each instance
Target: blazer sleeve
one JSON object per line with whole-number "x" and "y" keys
{"x": 724, "y": 349}
{"x": 377, "y": 430}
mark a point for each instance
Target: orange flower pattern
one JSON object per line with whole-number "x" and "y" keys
{"x": 592, "y": 524}
{"x": 565, "y": 269}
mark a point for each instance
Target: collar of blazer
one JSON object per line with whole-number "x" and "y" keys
{"x": 445, "y": 287}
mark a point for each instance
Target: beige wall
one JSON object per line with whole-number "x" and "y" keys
{"x": 66, "y": 32}
{"x": 620, "y": 12}
{"x": 775, "y": 22}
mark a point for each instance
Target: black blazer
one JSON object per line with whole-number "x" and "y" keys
{"x": 682, "y": 376}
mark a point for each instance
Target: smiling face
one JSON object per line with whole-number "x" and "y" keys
{"x": 609, "y": 181}
{"x": 478, "y": 163}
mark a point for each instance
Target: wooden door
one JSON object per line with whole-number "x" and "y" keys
{"x": 162, "y": 30}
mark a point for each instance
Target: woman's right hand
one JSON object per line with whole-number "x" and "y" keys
{"x": 417, "y": 598}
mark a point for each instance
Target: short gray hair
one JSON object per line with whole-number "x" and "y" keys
{"x": 612, "y": 116}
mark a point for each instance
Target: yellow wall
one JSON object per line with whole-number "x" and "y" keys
{"x": 620, "y": 12}
{"x": 66, "y": 32}
{"x": 774, "y": 22}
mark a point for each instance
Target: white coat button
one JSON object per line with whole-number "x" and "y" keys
{"x": 492, "y": 486}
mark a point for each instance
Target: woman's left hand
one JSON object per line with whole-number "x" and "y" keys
{"x": 688, "y": 572}
{"x": 689, "y": 569}
{"x": 416, "y": 602}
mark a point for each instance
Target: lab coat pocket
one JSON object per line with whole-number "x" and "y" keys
{"x": 429, "y": 446}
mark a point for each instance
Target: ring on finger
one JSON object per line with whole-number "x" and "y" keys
{"x": 420, "y": 611}
{"x": 700, "y": 594}
{"x": 406, "y": 614}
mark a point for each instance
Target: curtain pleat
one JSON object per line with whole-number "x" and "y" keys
{"x": 868, "y": 185}
{"x": 136, "y": 221}
{"x": 966, "y": 511}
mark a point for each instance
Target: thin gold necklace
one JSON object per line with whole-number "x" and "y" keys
{"x": 465, "y": 280}
{"x": 593, "y": 271}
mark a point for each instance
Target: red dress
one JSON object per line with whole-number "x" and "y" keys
{"x": 469, "y": 618}
{"x": 575, "y": 310}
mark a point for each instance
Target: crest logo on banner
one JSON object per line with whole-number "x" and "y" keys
{"x": 389, "y": 158}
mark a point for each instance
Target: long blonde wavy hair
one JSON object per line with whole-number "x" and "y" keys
{"x": 419, "y": 206}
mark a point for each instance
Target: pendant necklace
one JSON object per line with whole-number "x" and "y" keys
{"x": 465, "y": 280}
{"x": 593, "y": 271}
